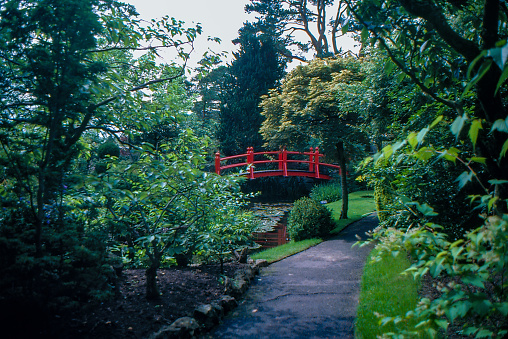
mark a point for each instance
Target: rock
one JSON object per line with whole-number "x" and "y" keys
{"x": 228, "y": 303}
{"x": 246, "y": 274}
{"x": 208, "y": 315}
{"x": 260, "y": 263}
{"x": 185, "y": 327}
{"x": 236, "y": 287}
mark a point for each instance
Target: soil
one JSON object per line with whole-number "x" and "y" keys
{"x": 131, "y": 315}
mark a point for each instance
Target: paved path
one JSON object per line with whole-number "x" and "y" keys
{"x": 313, "y": 294}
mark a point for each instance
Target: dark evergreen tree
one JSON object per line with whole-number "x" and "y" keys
{"x": 257, "y": 68}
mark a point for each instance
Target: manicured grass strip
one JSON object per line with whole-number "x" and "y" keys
{"x": 283, "y": 251}
{"x": 385, "y": 291}
{"x": 360, "y": 203}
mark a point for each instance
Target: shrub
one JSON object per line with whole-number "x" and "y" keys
{"x": 382, "y": 198}
{"x": 108, "y": 148}
{"x": 328, "y": 192}
{"x": 309, "y": 219}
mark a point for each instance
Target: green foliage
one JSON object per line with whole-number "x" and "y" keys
{"x": 328, "y": 192}
{"x": 309, "y": 219}
{"x": 109, "y": 148}
{"x": 257, "y": 68}
{"x": 383, "y": 199}
{"x": 386, "y": 293}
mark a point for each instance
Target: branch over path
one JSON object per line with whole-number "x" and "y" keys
{"x": 313, "y": 294}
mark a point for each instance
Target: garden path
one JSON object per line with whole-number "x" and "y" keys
{"x": 312, "y": 294}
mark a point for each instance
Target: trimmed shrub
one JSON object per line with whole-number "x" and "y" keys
{"x": 328, "y": 192}
{"x": 108, "y": 148}
{"x": 309, "y": 219}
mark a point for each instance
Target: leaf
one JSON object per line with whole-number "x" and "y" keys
{"x": 426, "y": 210}
{"x": 474, "y": 280}
{"x": 436, "y": 121}
{"x": 499, "y": 55}
{"x": 443, "y": 323}
{"x": 484, "y": 68}
{"x": 421, "y": 135}
{"x": 458, "y": 124}
{"x": 502, "y": 79}
{"x": 484, "y": 334}
{"x": 476, "y": 126}
{"x": 464, "y": 178}
{"x": 500, "y": 125}
{"x": 504, "y": 149}
{"x": 503, "y": 308}
{"x": 412, "y": 139}
{"x": 480, "y": 160}
{"x": 498, "y": 182}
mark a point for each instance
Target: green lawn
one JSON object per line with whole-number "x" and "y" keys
{"x": 385, "y": 291}
{"x": 360, "y": 203}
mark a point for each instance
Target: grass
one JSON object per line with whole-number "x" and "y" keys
{"x": 280, "y": 252}
{"x": 360, "y": 203}
{"x": 385, "y": 291}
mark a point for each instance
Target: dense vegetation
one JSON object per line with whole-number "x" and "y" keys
{"x": 101, "y": 161}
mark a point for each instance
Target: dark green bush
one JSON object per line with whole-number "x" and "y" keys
{"x": 108, "y": 148}
{"x": 328, "y": 192}
{"x": 309, "y": 219}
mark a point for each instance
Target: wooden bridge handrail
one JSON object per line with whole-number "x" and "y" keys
{"x": 282, "y": 161}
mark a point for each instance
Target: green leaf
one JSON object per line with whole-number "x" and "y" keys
{"x": 426, "y": 210}
{"x": 484, "y": 334}
{"x": 480, "y": 160}
{"x": 503, "y": 308}
{"x": 499, "y": 55}
{"x": 473, "y": 280}
{"x": 458, "y": 124}
{"x": 504, "y": 149}
{"x": 464, "y": 178}
{"x": 436, "y": 121}
{"x": 484, "y": 68}
{"x": 498, "y": 182}
{"x": 443, "y": 323}
{"x": 413, "y": 141}
{"x": 421, "y": 135}
{"x": 476, "y": 126}
{"x": 502, "y": 79}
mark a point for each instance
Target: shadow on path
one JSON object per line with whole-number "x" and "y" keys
{"x": 312, "y": 294}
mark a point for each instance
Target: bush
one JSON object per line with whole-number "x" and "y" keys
{"x": 309, "y": 219}
{"x": 328, "y": 192}
{"x": 108, "y": 148}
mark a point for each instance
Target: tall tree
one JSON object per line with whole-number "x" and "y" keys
{"x": 317, "y": 106}
{"x": 311, "y": 17}
{"x": 257, "y": 68}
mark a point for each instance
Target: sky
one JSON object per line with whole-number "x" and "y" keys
{"x": 219, "y": 18}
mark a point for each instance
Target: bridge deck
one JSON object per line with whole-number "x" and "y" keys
{"x": 290, "y": 173}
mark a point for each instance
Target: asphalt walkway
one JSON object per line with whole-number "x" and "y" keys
{"x": 313, "y": 294}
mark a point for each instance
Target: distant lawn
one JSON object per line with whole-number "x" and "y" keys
{"x": 385, "y": 291}
{"x": 360, "y": 204}
{"x": 280, "y": 252}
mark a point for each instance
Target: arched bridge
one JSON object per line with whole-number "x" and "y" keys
{"x": 275, "y": 163}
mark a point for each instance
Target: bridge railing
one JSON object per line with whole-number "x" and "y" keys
{"x": 248, "y": 160}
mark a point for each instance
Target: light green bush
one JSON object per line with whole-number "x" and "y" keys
{"x": 309, "y": 219}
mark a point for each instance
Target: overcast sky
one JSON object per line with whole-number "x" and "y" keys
{"x": 219, "y": 18}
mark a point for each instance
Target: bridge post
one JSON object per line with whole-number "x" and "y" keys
{"x": 316, "y": 163}
{"x": 250, "y": 161}
{"x": 217, "y": 163}
{"x": 311, "y": 160}
{"x": 280, "y": 160}
{"x": 284, "y": 162}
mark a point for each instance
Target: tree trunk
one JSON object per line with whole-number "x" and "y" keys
{"x": 343, "y": 179}
{"x": 152, "y": 290}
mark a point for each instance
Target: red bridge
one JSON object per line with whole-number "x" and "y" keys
{"x": 276, "y": 163}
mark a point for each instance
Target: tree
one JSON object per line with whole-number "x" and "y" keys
{"x": 288, "y": 17}
{"x": 439, "y": 45}
{"x": 256, "y": 69}
{"x": 62, "y": 65}
{"x": 315, "y": 106}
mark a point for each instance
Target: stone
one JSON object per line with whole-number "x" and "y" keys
{"x": 185, "y": 327}
{"x": 207, "y": 315}
{"x": 228, "y": 303}
{"x": 260, "y": 263}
